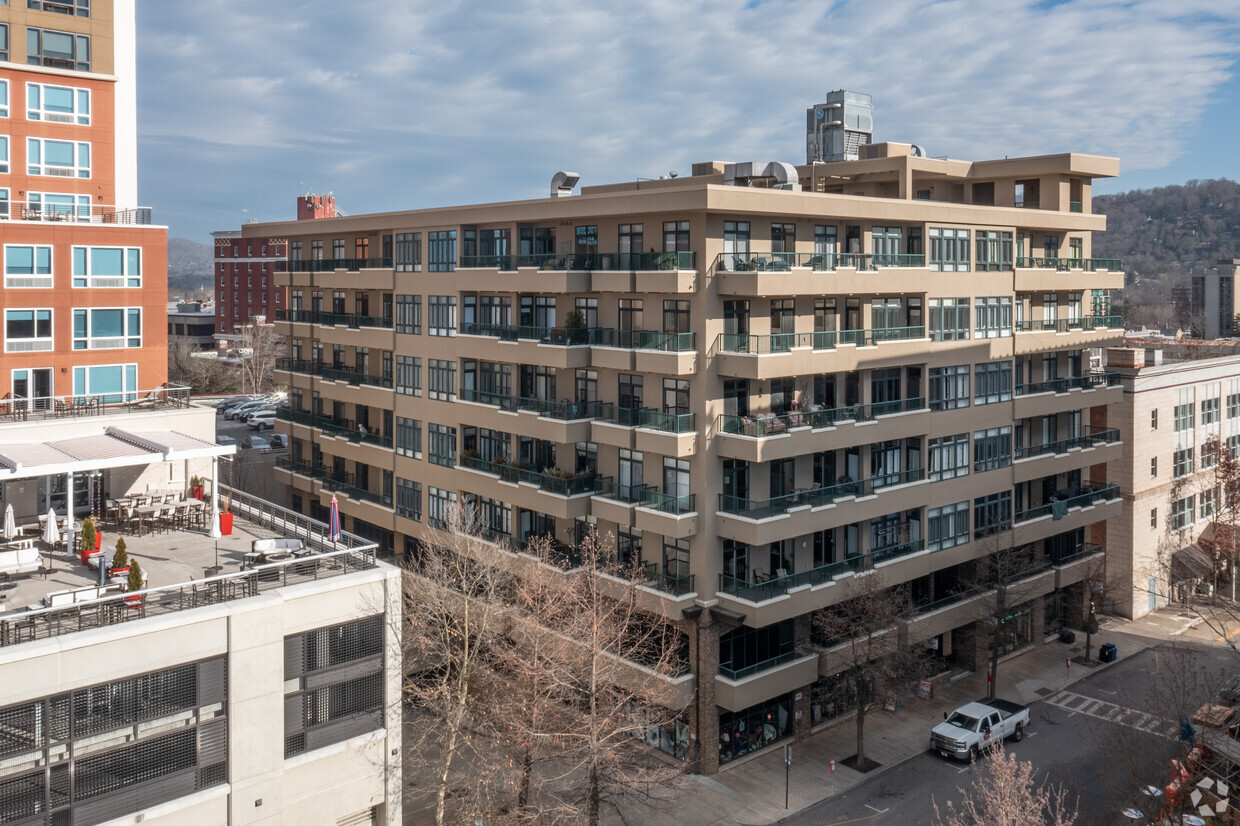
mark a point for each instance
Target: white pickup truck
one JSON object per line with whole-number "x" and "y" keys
{"x": 975, "y": 727}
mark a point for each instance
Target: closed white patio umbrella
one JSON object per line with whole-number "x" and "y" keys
{"x": 10, "y": 522}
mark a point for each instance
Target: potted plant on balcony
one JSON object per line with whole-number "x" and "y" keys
{"x": 226, "y": 517}
{"x": 195, "y": 487}
{"x": 91, "y": 540}
{"x": 575, "y": 327}
{"x": 134, "y": 584}
{"x": 119, "y": 571}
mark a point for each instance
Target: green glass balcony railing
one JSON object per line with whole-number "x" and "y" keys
{"x": 615, "y": 414}
{"x": 733, "y": 673}
{"x": 677, "y": 505}
{"x": 759, "y": 425}
{"x": 1092, "y": 439}
{"x": 1092, "y": 381}
{"x": 350, "y": 320}
{"x": 816, "y": 261}
{"x": 332, "y": 373}
{"x": 1079, "y": 552}
{"x": 815, "y": 498}
{"x": 611, "y": 261}
{"x": 343, "y": 428}
{"x": 1090, "y": 495}
{"x": 676, "y": 585}
{"x": 558, "y": 483}
{"x": 778, "y": 586}
{"x": 1065, "y": 325}
{"x": 667, "y": 422}
{"x": 333, "y": 264}
{"x": 1074, "y": 206}
{"x": 608, "y": 488}
{"x": 487, "y": 262}
{"x": 776, "y": 342}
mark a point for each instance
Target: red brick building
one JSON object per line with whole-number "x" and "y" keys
{"x": 245, "y": 284}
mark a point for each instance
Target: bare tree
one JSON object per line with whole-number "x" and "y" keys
{"x": 1005, "y": 792}
{"x": 259, "y": 347}
{"x": 610, "y": 663}
{"x": 1005, "y": 572}
{"x": 454, "y": 617}
{"x": 864, "y": 638}
{"x": 201, "y": 374}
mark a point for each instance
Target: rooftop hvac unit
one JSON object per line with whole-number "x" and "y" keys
{"x": 837, "y": 128}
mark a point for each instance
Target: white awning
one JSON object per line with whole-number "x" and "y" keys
{"x": 112, "y": 448}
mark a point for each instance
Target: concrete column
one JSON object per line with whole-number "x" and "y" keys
{"x": 1037, "y": 609}
{"x": 704, "y": 648}
{"x": 802, "y": 720}
{"x": 69, "y": 513}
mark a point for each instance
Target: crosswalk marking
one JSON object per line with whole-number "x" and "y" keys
{"x": 1113, "y": 713}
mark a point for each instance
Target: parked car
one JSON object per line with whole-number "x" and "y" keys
{"x": 278, "y": 441}
{"x": 263, "y": 418}
{"x": 976, "y": 727}
{"x": 240, "y": 412}
{"x": 225, "y": 440}
{"x": 256, "y": 443}
{"x": 222, "y": 406}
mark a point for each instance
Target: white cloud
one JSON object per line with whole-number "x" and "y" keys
{"x": 477, "y": 101}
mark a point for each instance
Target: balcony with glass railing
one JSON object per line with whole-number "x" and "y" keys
{"x": 1093, "y": 381}
{"x": 584, "y": 336}
{"x": 608, "y": 488}
{"x": 760, "y": 425}
{"x": 758, "y": 509}
{"x": 1065, "y": 325}
{"x": 1089, "y": 495}
{"x": 1074, "y": 206}
{"x": 819, "y": 262}
{"x": 666, "y": 422}
{"x": 344, "y": 428}
{"x": 675, "y": 504}
{"x": 333, "y": 264}
{"x": 350, "y": 320}
{"x": 330, "y": 373}
{"x": 561, "y": 483}
{"x": 1068, "y": 264}
{"x": 1091, "y": 439}
{"x": 775, "y": 587}
{"x": 609, "y": 261}
{"x": 821, "y": 340}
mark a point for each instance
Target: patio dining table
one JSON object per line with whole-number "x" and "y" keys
{"x": 144, "y": 511}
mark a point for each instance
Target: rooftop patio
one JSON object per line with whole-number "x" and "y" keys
{"x": 180, "y": 569}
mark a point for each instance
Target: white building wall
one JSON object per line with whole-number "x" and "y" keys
{"x": 126, "y": 67}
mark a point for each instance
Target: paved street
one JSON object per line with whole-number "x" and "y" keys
{"x": 1075, "y": 738}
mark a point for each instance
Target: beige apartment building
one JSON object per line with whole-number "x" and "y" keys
{"x": 1177, "y": 395}
{"x": 763, "y": 380}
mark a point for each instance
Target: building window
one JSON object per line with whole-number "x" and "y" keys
{"x": 409, "y": 437}
{"x": 114, "y": 382}
{"x": 992, "y": 382}
{"x": 107, "y": 266}
{"x": 1209, "y": 503}
{"x": 1209, "y": 411}
{"x": 1233, "y": 405}
{"x": 1154, "y": 419}
{"x": 442, "y": 315}
{"x": 408, "y": 253}
{"x": 441, "y": 444}
{"x": 4, "y": 153}
{"x": 57, "y": 104}
{"x": 80, "y": 8}
{"x": 61, "y": 159}
{"x": 948, "y": 526}
{"x": 57, "y": 50}
{"x": 994, "y": 250}
{"x": 1184, "y": 417}
{"x": 107, "y": 329}
{"x": 27, "y": 266}
{"x": 949, "y": 319}
{"x": 27, "y": 331}
{"x": 992, "y": 449}
{"x": 992, "y": 514}
{"x": 1182, "y": 463}
{"x": 409, "y": 375}
{"x": 4, "y": 53}
{"x": 949, "y": 387}
{"x": 1182, "y": 511}
{"x": 993, "y": 317}
{"x": 440, "y": 504}
{"x": 948, "y": 457}
{"x": 949, "y": 249}
{"x": 1153, "y": 517}
{"x": 409, "y": 499}
{"x": 337, "y": 249}
{"x": 675, "y": 236}
{"x": 336, "y": 674}
{"x": 1209, "y": 454}
{"x": 441, "y": 251}
{"x": 409, "y": 314}
{"x": 1154, "y": 466}
{"x": 442, "y": 379}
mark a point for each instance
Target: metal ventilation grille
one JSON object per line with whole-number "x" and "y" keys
{"x": 105, "y": 751}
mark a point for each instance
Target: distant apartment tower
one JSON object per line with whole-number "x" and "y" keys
{"x": 1214, "y": 305}
{"x": 84, "y": 267}
{"x": 245, "y": 284}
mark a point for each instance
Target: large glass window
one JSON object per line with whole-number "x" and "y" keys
{"x": 62, "y": 159}
{"x": 114, "y": 382}
{"x": 409, "y": 314}
{"x": 994, "y": 250}
{"x": 441, "y": 444}
{"x": 107, "y": 266}
{"x": 992, "y": 449}
{"x": 408, "y": 252}
{"x": 1182, "y": 513}
{"x": 949, "y": 457}
{"x": 27, "y": 330}
{"x": 441, "y": 319}
{"x": 949, "y": 249}
{"x": 992, "y": 514}
{"x": 992, "y": 382}
{"x": 409, "y": 499}
{"x": 409, "y": 437}
{"x": 1184, "y": 419}
{"x": 27, "y": 266}
{"x": 58, "y": 50}
{"x": 107, "y": 329}
{"x": 1182, "y": 463}
{"x": 442, "y": 379}
{"x": 441, "y": 251}
{"x": 58, "y": 104}
{"x": 409, "y": 375}
{"x": 993, "y": 316}
{"x": 1209, "y": 410}
{"x": 949, "y": 319}
{"x": 947, "y": 526}
{"x": 949, "y": 387}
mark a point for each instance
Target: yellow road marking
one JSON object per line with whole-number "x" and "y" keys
{"x": 1229, "y": 635}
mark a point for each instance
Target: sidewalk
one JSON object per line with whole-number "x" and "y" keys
{"x": 751, "y": 791}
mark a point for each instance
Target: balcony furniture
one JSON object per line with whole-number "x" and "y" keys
{"x": 268, "y": 546}
{"x": 20, "y": 562}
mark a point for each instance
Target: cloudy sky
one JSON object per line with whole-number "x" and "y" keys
{"x": 399, "y": 104}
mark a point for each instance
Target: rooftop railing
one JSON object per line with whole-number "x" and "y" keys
{"x": 41, "y": 408}
{"x": 74, "y": 213}
{"x": 1089, "y": 382}
{"x": 349, "y": 555}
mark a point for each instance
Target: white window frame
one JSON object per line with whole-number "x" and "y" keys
{"x": 4, "y": 98}
{"x": 77, "y": 171}
{"x": 91, "y": 281}
{"x": 79, "y": 210}
{"x": 35, "y": 280}
{"x": 104, "y": 344}
{"x": 956, "y": 517}
{"x": 128, "y": 393}
{"x": 40, "y": 344}
{"x": 42, "y": 114}
{"x": 4, "y": 153}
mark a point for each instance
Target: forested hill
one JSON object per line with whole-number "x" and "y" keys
{"x": 1171, "y": 229}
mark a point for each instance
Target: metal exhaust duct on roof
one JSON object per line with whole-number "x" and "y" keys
{"x": 562, "y": 183}
{"x": 743, "y": 174}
